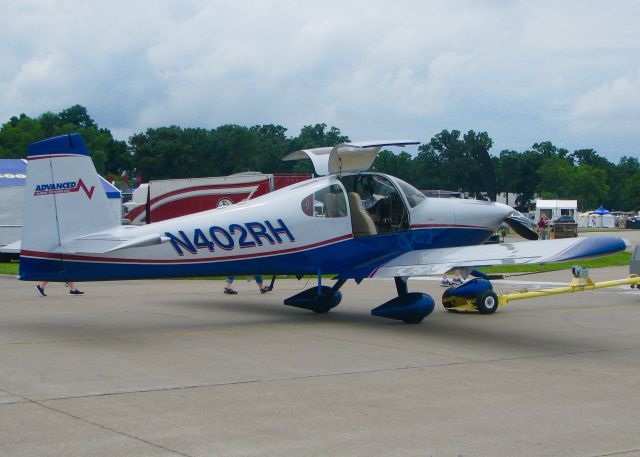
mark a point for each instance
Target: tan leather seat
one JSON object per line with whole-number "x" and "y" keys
{"x": 331, "y": 205}
{"x": 361, "y": 222}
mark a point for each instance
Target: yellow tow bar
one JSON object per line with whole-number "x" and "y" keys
{"x": 576, "y": 285}
{"x": 488, "y": 302}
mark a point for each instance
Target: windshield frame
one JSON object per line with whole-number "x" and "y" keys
{"x": 402, "y": 185}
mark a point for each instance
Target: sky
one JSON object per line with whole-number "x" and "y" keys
{"x": 523, "y": 71}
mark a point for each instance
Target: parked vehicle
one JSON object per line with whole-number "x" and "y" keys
{"x": 633, "y": 223}
{"x": 564, "y": 227}
{"x": 564, "y": 220}
{"x": 165, "y": 199}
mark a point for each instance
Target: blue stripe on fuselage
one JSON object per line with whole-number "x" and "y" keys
{"x": 353, "y": 258}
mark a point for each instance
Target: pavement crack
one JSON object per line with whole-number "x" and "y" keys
{"x": 630, "y": 451}
{"x": 94, "y": 424}
{"x": 303, "y": 377}
{"x": 367, "y": 343}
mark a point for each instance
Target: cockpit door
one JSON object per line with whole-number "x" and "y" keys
{"x": 375, "y": 204}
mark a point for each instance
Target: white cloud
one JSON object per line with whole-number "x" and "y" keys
{"x": 580, "y": 25}
{"x": 523, "y": 71}
{"x": 612, "y": 108}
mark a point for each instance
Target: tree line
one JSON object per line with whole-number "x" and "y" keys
{"x": 450, "y": 160}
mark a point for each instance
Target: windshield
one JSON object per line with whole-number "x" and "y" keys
{"x": 413, "y": 195}
{"x": 377, "y": 201}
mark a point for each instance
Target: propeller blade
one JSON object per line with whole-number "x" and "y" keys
{"x": 522, "y": 226}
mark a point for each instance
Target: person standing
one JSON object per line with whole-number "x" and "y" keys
{"x": 229, "y": 290}
{"x": 456, "y": 281}
{"x": 542, "y": 227}
{"x": 73, "y": 290}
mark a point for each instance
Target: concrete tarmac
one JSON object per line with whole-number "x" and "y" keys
{"x": 174, "y": 367}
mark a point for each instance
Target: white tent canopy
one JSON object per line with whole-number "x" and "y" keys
{"x": 553, "y": 209}
{"x": 588, "y": 219}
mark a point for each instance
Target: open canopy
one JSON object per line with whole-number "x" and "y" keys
{"x": 346, "y": 157}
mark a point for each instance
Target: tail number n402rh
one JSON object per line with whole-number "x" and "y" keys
{"x": 247, "y": 235}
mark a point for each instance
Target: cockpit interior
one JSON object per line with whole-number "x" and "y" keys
{"x": 375, "y": 202}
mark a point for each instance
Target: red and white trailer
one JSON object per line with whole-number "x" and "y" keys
{"x": 169, "y": 198}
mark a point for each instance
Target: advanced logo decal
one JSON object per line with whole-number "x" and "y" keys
{"x": 63, "y": 188}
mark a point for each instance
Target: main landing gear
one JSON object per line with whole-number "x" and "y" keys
{"x": 409, "y": 307}
{"x": 320, "y": 299}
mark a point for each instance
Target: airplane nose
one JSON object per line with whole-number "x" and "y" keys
{"x": 519, "y": 223}
{"x": 502, "y": 209}
{"x": 481, "y": 213}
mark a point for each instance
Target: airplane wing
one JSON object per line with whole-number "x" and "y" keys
{"x": 438, "y": 261}
{"x": 345, "y": 157}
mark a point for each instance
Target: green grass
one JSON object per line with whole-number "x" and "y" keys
{"x": 594, "y": 229}
{"x": 614, "y": 260}
{"x": 9, "y": 268}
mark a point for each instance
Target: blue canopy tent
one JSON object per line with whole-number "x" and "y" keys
{"x": 600, "y": 211}
{"x": 601, "y": 218}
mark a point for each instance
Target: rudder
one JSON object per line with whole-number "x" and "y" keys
{"x": 63, "y": 200}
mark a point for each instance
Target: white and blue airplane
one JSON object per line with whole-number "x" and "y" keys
{"x": 348, "y": 223}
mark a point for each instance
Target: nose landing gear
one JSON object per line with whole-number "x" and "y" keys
{"x": 474, "y": 295}
{"x": 478, "y": 295}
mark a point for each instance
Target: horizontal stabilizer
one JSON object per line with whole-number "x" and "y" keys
{"x": 104, "y": 243}
{"x": 11, "y": 248}
{"x": 438, "y": 261}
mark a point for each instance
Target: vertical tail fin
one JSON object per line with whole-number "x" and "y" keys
{"x": 63, "y": 200}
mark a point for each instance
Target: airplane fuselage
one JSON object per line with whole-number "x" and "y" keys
{"x": 350, "y": 223}
{"x": 290, "y": 231}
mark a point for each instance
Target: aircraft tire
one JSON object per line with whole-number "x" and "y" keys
{"x": 322, "y": 310}
{"x": 487, "y": 302}
{"x": 444, "y": 295}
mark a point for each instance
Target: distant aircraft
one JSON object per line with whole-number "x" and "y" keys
{"x": 348, "y": 223}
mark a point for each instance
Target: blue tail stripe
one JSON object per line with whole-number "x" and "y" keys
{"x": 59, "y": 145}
